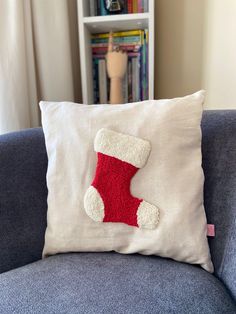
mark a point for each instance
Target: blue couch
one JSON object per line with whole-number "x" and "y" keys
{"x": 111, "y": 282}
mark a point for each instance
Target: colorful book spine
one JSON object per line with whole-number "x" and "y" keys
{"x": 145, "y": 5}
{"x": 102, "y": 79}
{"x": 140, "y": 6}
{"x": 135, "y": 6}
{"x": 147, "y": 58}
{"x": 92, "y": 7}
{"x": 129, "y": 70}
{"x": 103, "y": 10}
{"x": 95, "y": 82}
{"x": 99, "y": 56}
{"x": 98, "y": 7}
{"x": 134, "y": 75}
{"x": 130, "y": 6}
{"x": 127, "y": 48}
{"x": 125, "y": 87}
{"x": 103, "y": 50}
{"x": 126, "y": 39}
{"x": 125, "y": 45}
{"x": 125, "y": 7}
{"x": 143, "y": 68}
{"x": 135, "y": 32}
{"x": 135, "y": 82}
{"x": 138, "y": 79}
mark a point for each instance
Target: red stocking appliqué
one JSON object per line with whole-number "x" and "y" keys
{"x": 108, "y": 199}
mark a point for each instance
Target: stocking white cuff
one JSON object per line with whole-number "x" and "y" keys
{"x": 130, "y": 149}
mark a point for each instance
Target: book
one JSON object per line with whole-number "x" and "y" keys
{"x": 125, "y": 87}
{"x": 134, "y": 78}
{"x": 140, "y": 6}
{"x": 145, "y": 5}
{"x": 129, "y": 71}
{"x": 95, "y": 81}
{"x": 123, "y": 39}
{"x": 117, "y": 34}
{"x": 125, "y": 7}
{"x": 103, "y": 50}
{"x": 135, "y": 6}
{"x": 138, "y": 79}
{"x": 93, "y": 7}
{"x": 99, "y": 56}
{"x": 130, "y": 6}
{"x": 103, "y": 10}
{"x": 127, "y": 46}
{"x": 98, "y": 7}
{"x": 147, "y": 74}
{"x": 143, "y": 68}
{"x": 135, "y": 82}
{"x": 102, "y": 79}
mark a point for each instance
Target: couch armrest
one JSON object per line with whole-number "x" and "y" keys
{"x": 23, "y": 197}
{"x": 219, "y": 164}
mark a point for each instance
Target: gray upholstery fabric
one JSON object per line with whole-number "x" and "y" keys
{"x": 23, "y": 197}
{"x": 219, "y": 163}
{"x": 112, "y": 283}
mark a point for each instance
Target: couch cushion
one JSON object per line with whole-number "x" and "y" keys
{"x": 112, "y": 283}
{"x": 172, "y": 128}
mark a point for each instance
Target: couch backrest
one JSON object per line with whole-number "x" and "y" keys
{"x": 23, "y": 197}
{"x": 219, "y": 164}
{"x": 23, "y": 194}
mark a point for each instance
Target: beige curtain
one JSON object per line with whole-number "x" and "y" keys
{"x": 39, "y": 58}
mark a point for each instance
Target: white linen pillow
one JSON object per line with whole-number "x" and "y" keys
{"x": 172, "y": 179}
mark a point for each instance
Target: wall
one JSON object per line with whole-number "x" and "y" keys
{"x": 219, "y": 67}
{"x": 195, "y": 48}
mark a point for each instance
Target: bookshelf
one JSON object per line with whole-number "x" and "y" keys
{"x": 98, "y": 24}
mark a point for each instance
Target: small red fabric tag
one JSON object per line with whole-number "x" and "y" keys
{"x": 210, "y": 230}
